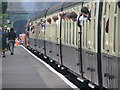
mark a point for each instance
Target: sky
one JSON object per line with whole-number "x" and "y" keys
{"x": 30, "y": 6}
{"x": 44, "y": 0}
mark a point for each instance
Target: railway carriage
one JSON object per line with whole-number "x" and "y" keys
{"x": 60, "y": 40}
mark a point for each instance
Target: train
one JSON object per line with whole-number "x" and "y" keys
{"x": 98, "y": 41}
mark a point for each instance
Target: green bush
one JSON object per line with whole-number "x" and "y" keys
{"x": 4, "y": 7}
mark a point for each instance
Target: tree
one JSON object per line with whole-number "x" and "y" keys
{"x": 4, "y": 7}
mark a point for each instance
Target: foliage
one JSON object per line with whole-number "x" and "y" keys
{"x": 4, "y": 7}
{"x": 4, "y": 16}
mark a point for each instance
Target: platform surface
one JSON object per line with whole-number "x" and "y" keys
{"x": 22, "y": 70}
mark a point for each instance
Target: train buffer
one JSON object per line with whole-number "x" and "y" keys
{"x": 23, "y": 70}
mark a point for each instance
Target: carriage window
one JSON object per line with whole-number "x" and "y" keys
{"x": 83, "y": 34}
{"x": 89, "y": 25}
{"x": 67, "y": 32}
{"x": 115, "y": 8}
{"x": 104, "y": 33}
{"x": 73, "y": 32}
{"x": 70, "y": 33}
{"x": 86, "y": 31}
{"x": 76, "y": 35}
{"x": 114, "y": 46}
{"x": 94, "y": 35}
{"x": 105, "y": 8}
{"x": 64, "y": 30}
{"x": 95, "y": 9}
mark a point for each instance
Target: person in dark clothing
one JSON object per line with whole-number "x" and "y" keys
{"x": 85, "y": 13}
{"x": 11, "y": 40}
{"x": 5, "y": 30}
{"x": 4, "y": 43}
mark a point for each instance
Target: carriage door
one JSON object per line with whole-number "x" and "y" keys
{"x": 110, "y": 45}
{"x": 89, "y": 37}
{"x": 119, "y": 46}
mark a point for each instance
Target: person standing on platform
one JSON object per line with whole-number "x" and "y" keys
{"x": 5, "y": 30}
{"x": 4, "y": 43}
{"x": 11, "y": 40}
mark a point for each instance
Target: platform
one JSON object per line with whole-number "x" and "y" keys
{"x": 22, "y": 70}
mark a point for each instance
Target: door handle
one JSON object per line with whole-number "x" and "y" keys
{"x": 110, "y": 57}
{"x": 87, "y": 52}
{"x": 112, "y": 77}
{"x": 106, "y": 75}
{"x": 91, "y": 54}
{"x": 92, "y": 69}
{"x": 88, "y": 68}
{"x": 105, "y": 56}
{"x": 50, "y": 51}
{"x": 78, "y": 64}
